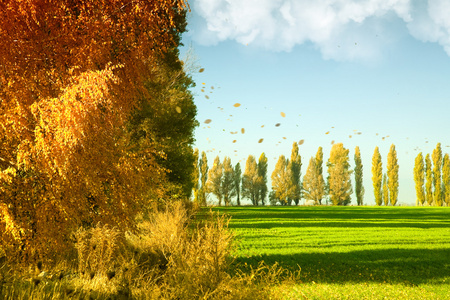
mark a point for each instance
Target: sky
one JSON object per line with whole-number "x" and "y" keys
{"x": 367, "y": 73}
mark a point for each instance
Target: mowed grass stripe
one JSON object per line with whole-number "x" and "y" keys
{"x": 348, "y": 245}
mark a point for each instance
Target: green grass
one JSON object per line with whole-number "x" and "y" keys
{"x": 350, "y": 252}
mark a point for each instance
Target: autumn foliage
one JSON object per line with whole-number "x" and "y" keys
{"x": 72, "y": 76}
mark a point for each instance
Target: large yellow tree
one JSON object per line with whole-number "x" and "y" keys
{"x": 339, "y": 183}
{"x": 377, "y": 176}
{"x": 72, "y": 73}
{"x": 392, "y": 174}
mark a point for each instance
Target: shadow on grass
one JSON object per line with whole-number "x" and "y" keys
{"x": 407, "y": 266}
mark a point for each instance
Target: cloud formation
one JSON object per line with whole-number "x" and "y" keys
{"x": 340, "y": 29}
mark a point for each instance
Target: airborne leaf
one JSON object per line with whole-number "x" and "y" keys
{"x": 237, "y": 105}
{"x": 207, "y": 121}
{"x": 283, "y": 114}
{"x": 277, "y": 125}
{"x": 260, "y": 140}
{"x": 201, "y": 70}
{"x": 242, "y": 130}
{"x": 301, "y": 142}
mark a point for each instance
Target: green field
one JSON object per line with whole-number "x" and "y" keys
{"x": 350, "y": 252}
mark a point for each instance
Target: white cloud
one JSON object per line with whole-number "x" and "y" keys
{"x": 333, "y": 26}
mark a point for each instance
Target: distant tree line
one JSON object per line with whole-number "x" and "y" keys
{"x": 432, "y": 178}
{"x": 229, "y": 185}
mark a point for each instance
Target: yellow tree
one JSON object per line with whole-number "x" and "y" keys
{"x": 251, "y": 180}
{"x": 203, "y": 168}
{"x": 359, "y": 188}
{"x": 262, "y": 175}
{"x": 228, "y": 187}
{"x": 313, "y": 183}
{"x": 446, "y": 178}
{"x": 214, "y": 183}
{"x": 437, "y": 166}
{"x": 339, "y": 183}
{"x": 72, "y": 75}
{"x": 429, "y": 182}
{"x": 295, "y": 165}
{"x": 419, "y": 179}
{"x": 392, "y": 173}
{"x": 237, "y": 182}
{"x": 281, "y": 180}
{"x": 377, "y": 176}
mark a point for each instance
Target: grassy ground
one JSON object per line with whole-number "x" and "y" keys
{"x": 350, "y": 252}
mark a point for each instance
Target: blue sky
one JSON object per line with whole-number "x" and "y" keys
{"x": 370, "y": 73}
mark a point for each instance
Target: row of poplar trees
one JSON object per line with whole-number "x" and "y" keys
{"x": 225, "y": 181}
{"x": 432, "y": 178}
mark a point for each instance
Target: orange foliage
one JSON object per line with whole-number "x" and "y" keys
{"x": 71, "y": 73}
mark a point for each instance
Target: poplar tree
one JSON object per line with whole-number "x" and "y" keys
{"x": 195, "y": 177}
{"x": 237, "y": 182}
{"x": 419, "y": 179}
{"x": 377, "y": 176}
{"x": 359, "y": 188}
{"x": 392, "y": 173}
{"x": 250, "y": 180}
{"x": 437, "y": 166}
{"x": 228, "y": 189}
{"x": 203, "y": 167}
{"x": 313, "y": 183}
{"x": 281, "y": 180}
{"x": 385, "y": 190}
{"x": 214, "y": 183}
{"x": 295, "y": 165}
{"x": 446, "y": 179}
{"x": 429, "y": 182}
{"x": 339, "y": 183}
{"x": 262, "y": 174}
{"x": 319, "y": 172}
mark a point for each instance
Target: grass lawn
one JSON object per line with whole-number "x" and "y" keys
{"x": 350, "y": 252}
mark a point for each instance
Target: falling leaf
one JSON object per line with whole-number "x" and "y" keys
{"x": 206, "y": 96}
{"x": 277, "y": 125}
{"x": 359, "y": 133}
{"x": 234, "y": 141}
{"x": 242, "y": 130}
{"x": 327, "y": 132}
{"x": 202, "y": 90}
{"x": 207, "y": 121}
{"x": 237, "y": 105}
{"x": 301, "y": 142}
{"x": 262, "y": 126}
{"x": 212, "y": 87}
{"x": 284, "y": 137}
{"x": 203, "y": 83}
{"x": 283, "y": 114}
{"x": 332, "y": 142}
{"x": 350, "y": 136}
{"x": 178, "y": 109}
{"x": 201, "y": 70}
{"x": 260, "y": 141}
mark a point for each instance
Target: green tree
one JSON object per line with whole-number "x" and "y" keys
{"x": 313, "y": 183}
{"x": 385, "y": 189}
{"x": 262, "y": 174}
{"x": 228, "y": 187}
{"x": 429, "y": 182}
{"x": 419, "y": 179}
{"x": 294, "y": 166}
{"x": 339, "y": 183}
{"x": 214, "y": 183}
{"x": 377, "y": 176}
{"x": 392, "y": 173}
{"x": 251, "y": 180}
{"x": 196, "y": 177}
{"x": 359, "y": 188}
{"x": 437, "y": 166}
{"x": 237, "y": 182}
{"x": 203, "y": 190}
{"x": 446, "y": 178}
{"x": 281, "y": 180}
